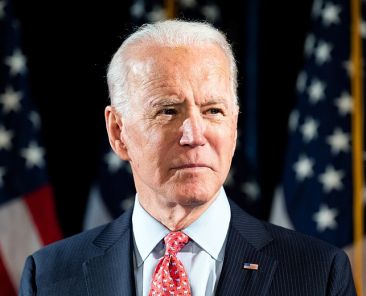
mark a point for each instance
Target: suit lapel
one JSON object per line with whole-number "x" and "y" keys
{"x": 112, "y": 272}
{"x": 246, "y": 237}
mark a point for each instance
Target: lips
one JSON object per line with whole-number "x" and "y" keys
{"x": 191, "y": 166}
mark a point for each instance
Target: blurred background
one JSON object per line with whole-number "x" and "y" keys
{"x": 293, "y": 163}
{"x": 68, "y": 46}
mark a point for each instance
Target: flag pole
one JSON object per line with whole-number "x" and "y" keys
{"x": 357, "y": 140}
{"x": 170, "y": 9}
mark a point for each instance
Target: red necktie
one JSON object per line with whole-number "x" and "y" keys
{"x": 170, "y": 277}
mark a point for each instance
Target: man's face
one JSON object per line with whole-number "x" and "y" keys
{"x": 180, "y": 130}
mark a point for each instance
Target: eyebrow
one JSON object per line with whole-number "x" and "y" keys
{"x": 177, "y": 101}
{"x": 165, "y": 102}
{"x": 215, "y": 101}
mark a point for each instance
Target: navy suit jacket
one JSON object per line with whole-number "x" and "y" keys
{"x": 100, "y": 262}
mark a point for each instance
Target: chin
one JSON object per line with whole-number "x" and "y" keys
{"x": 194, "y": 197}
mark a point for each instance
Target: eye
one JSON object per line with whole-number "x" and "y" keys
{"x": 168, "y": 111}
{"x": 214, "y": 111}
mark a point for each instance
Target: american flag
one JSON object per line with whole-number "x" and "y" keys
{"x": 316, "y": 196}
{"x": 250, "y": 266}
{"x": 27, "y": 217}
{"x": 114, "y": 191}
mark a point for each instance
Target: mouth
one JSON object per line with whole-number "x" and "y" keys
{"x": 191, "y": 166}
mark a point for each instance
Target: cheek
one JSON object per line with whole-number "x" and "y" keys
{"x": 224, "y": 145}
{"x": 149, "y": 146}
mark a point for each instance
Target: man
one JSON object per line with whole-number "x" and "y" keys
{"x": 173, "y": 116}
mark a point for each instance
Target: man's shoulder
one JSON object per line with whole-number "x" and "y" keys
{"x": 280, "y": 239}
{"x": 89, "y": 242}
{"x": 75, "y": 246}
{"x": 296, "y": 240}
{"x": 61, "y": 265}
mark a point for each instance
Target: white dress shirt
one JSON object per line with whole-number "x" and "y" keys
{"x": 202, "y": 257}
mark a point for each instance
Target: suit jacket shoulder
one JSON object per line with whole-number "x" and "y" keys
{"x": 69, "y": 266}
{"x": 289, "y": 263}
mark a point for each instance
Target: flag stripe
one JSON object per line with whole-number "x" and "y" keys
{"x": 42, "y": 209}
{"x": 6, "y": 286}
{"x": 17, "y": 227}
{"x": 357, "y": 138}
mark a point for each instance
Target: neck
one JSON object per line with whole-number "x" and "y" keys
{"x": 173, "y": 215}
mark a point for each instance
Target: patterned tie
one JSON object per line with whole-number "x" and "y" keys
{"x": 169, "y": 277}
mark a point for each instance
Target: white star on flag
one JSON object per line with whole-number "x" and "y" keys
{"x": 293, "y": 120}
{"x": 331, "y": 179}
{"x": 339, "y": 141}
{"x": 34, "y": 155}
{"x": 211, "y": 12}
{"x": 128, "y": 202}
{"x": 309, "y": 45}
{"x": 330, "y": 14}
{"x": 317, "y": 8}
{"x": 35, "y": 119}
{"x": 349, "y": 67}
{"x": 5, "y": 138}
{"x": 344, "y": 103}
{"x": 251, "y": 189}
{"x": 113, "y": 161}
{"x": 322, "y": 52}
{"x": 363, "y": 29}
{"x": 301, "y": 82}
{"x": 316, "y": 91}
{"x": 10, "y": 100}
{"x": 16, "y": 62}
{"x": 325, "y": 218}
{"x": 137, "y": 10}
{"x": 188, "y": 3}
{"x": 303, "y": 168}
{"x": 309, "y": 129}
{"x": 157, "y": 14}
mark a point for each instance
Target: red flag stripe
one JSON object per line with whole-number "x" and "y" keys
{"x": 6, "y": 285}
{"x": 42, "y": 209}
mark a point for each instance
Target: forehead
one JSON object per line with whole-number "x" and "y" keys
{"x": 158, "y": 70}
{"x": 199, "y": 64}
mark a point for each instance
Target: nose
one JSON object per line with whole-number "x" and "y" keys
{"x": 193, "y": 131}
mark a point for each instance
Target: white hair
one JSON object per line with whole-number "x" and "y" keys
{"x": 171, "y": 33}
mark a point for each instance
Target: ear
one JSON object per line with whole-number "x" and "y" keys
{"x": 114, "y": 125}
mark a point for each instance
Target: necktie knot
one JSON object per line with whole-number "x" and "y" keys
{"x": 170, "y": 277}
{"x": 174, "y": 242}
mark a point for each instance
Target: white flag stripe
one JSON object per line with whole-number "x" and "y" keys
{"x": 18, "y": 237}
{"x": 96, "y": 212}
{"x": 279, "y": 214}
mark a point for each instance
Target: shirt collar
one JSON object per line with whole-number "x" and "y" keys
{"x": 147, "y": 231}
{"x": 208, "y": 231}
